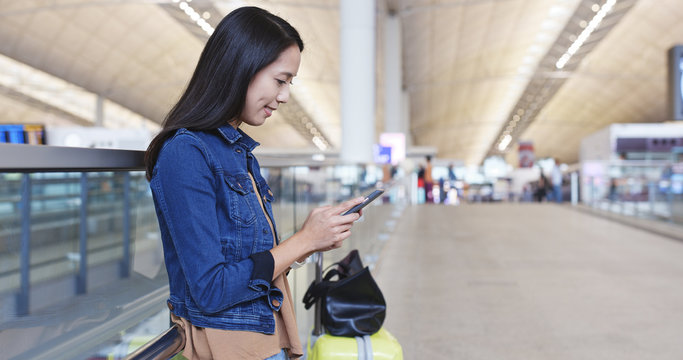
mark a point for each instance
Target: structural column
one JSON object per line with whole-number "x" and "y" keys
{"x": 394, "y": 120}
{"x": 357, "y": 82}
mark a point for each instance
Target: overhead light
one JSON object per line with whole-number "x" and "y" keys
{"x": 196, "y": 17}
{"x": 320, "y": 143}
{"x": 581, "y": 39}
{"x": 504, "y": 142}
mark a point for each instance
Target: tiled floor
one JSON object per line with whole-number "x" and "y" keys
{"x": 530, "y": 281}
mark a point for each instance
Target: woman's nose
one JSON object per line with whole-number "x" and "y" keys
{"x": 283, "y": 95}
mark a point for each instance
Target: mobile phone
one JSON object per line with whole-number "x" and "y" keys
{"x": 368, "y": 199}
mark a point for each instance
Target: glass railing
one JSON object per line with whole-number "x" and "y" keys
{"x": 81, "y": 269}
{"x": 80, "y": 259}
{"x": 644, "y": 189}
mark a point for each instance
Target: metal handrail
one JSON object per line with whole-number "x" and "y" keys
{"x": 163, "y": 347}
{"x": 42, "y": 158}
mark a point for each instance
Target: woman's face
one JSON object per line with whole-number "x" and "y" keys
{"x": 270, "y": 87}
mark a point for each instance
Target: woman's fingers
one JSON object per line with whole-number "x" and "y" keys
{"x": 327, "y": 228}
{"x": 343, "y": 227}
{"x": 347, "y": 205}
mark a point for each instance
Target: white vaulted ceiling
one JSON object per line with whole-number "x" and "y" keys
{"x": 466, "y": 65}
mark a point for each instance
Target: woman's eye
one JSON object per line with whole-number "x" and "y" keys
{"x": 281, "y": 82}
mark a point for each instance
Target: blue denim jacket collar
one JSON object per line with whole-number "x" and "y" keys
{"x": 233, "y": 135}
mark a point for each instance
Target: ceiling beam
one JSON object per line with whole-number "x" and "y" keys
{"x": 43, "y": 106}
{"x": 541, "y": 88}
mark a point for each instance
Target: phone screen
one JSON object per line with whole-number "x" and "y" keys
{"x": 368, "y": 199}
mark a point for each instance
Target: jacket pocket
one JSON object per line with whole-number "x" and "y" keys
{"x": 241, "y": 208}
{"x": 230, "y": 249}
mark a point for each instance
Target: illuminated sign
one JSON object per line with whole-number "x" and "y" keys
{"x": 22, "y": 134}
{"x": 397, "y": 143}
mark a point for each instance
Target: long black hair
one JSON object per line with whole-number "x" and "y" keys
{"x": 244, "y": 42}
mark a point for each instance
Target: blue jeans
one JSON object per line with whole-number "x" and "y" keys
{"x": 282, "y": 355}
{"x": 557, "y": 193}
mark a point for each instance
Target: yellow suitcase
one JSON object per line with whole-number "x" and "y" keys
{"x": 379, "y": 346}
{"x": 321, "y": 346}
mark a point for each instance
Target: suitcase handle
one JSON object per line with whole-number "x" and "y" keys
{"x": 317, "y": 318}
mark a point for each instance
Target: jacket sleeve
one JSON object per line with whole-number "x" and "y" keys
{"x": 185, "y": 189}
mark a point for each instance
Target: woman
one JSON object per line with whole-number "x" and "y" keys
{"x": 226, "y": 266}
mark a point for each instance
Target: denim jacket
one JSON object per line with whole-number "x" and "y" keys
{"x": 215, "y": 236}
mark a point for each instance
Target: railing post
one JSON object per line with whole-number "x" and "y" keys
{"x": 294, "y": 200}
{"x": 125, "y": 261}
{"x": 622, "y": 201}
{"x": 574, "y": 188}
{"x": 23, "y": 297}
{"x": 82, "y": 276}
{"x": 651, "y": 195}
{"x": 636, "y": 205}
{"x": 669, "y": 202}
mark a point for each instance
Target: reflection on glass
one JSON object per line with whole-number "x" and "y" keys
{"x": 651, "y": 190}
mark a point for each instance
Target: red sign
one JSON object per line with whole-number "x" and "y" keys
{"x": 526, "y": 154}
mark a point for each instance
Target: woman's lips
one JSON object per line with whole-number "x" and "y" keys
{"x": 268, "y": 111}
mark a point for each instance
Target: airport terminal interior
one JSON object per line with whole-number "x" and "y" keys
{"x": 530, "y": 153}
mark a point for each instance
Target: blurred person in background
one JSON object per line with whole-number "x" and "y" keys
{"x": 421, "y": 195}
{"x": 556, "y": 178}
{"x": 429, "y": 181}
{"x": 541, "y": 190}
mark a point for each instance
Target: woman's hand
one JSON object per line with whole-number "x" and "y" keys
{"x": 324, "y": 229}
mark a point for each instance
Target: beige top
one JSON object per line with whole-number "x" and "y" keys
{"x": 428, "y": 173}
{"x": 217, "y": 344}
